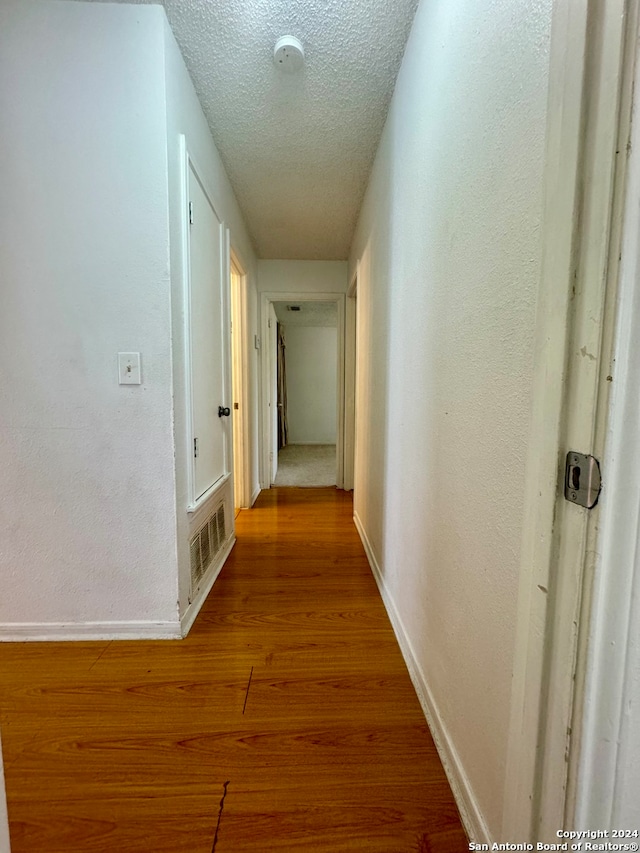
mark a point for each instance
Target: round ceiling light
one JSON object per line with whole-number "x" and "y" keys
{"x": 288, "y": 54}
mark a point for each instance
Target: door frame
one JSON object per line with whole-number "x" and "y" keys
{"x": 350, "y": 379}
{"x": 190, "y": 163}
{"x": 584, "y": 170}
{"x": 266, "y": 298}
{"x": 272, "y": 393}
{"x": 606, "y": 757}
{"x": 241, "y": 377}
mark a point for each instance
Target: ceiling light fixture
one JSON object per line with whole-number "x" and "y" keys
{"x": 288, "y": 54}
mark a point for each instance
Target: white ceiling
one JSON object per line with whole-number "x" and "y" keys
{"x": 297, "y": 148}
{"x": 310, "y": 314}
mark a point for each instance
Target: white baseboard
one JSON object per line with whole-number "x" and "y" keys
{"x": 20, "y": 632}
{"x": 470, "y": 813}
{"x": 37, "y": 632}
{"x": 190, "y": 614}
{"x": 254, "y": 496}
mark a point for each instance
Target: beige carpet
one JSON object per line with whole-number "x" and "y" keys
{"x": 306, "y": 465}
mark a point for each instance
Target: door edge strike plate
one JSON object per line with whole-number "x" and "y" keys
{"x": 582, "y": 480}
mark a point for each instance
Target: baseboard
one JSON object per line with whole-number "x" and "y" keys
{"x": 470, "y": 813}
{"x": 190, "y": 614}
{"x": 254, "y": 496}
{"x": 38, "y": 632}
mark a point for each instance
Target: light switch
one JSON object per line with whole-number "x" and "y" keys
{"x": 129, "y": 368}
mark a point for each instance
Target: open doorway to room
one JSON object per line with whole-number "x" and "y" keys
{"x": 307, "y": 393}
{"x": 304, "y": 379}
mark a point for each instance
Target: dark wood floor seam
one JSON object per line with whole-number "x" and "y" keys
{"x": 100, "y": 655}
{"x": 215, "y": 837}
{"x": 247, "y": 693}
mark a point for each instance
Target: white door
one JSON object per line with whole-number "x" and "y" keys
{"x": 209, "y": 357}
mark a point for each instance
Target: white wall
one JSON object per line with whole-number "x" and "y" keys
{"x": 185, "y": 117}
{"x": 95, "y": 97}
{"x": 302, "y": 276}
{"x": 448, "y": 239}
{"x": 87, "y": 505}
{"x": 312, "y": 373}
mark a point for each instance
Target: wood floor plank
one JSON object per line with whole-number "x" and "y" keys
{"x": 286, "y": 721}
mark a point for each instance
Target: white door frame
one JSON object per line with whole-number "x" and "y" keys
{"x": 240, "y": 378}
{"x": 272, "y": 358}
{"x": 586, "y": 150}
{"x": 606, "y": 768}
{"x": 350, "y": 357}
{"x": 266, "y": 299}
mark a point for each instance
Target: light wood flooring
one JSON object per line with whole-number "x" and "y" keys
{"x": 286, "y": 721}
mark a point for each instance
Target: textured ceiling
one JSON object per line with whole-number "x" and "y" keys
{"x": 298, "y": 148}
{"x": 310, "y": 314}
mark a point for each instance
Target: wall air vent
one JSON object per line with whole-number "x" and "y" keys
{"x": 294, "y": 308}
{"x": 205, "y": 545}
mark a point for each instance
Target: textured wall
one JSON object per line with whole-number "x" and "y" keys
{"x": 450, "y": 257}
{"x": 312, "y": 365}
{"x": 87, "y": 505}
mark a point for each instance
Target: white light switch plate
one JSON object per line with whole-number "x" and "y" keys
{"x": 129, "y": 368}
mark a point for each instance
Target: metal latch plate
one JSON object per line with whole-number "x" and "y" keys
{"x": 582, "y": 481}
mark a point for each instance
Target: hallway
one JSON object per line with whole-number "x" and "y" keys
{"x": 285, "y": 721}
{"x": 457, "y": 183}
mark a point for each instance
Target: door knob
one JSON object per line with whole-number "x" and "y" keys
{"x": 224, "y": 411}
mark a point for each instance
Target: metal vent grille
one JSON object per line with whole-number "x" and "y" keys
{"x": 222, "y": 530}
{"x": 196, "y": 562}
{"x": 206, "y": 543}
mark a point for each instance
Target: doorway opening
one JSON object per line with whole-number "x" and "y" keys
{"x": 303, "y": 389}
{"x": 307, "y": 393}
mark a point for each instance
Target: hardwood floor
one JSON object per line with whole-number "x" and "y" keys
{"x": 286, "y": 721}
